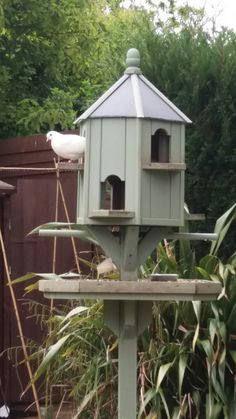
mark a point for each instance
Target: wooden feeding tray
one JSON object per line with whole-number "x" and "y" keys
{"x": 175, "y": 167}
{"x": 112, "y": 214}
{"x": 140, "y": 290}
{"x": 70, "y": 166}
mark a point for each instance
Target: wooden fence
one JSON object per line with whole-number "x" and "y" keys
{"x": 30, "y": 203}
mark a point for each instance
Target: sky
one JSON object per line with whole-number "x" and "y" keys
{"x": 224, "y": 11}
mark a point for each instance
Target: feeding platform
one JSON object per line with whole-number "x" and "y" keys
{"x": 141, "y": 290}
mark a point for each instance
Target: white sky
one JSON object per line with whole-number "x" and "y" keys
{"x": 224, "y": 11}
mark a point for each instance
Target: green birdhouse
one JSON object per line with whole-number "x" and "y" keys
{"x": 134, "y": 166}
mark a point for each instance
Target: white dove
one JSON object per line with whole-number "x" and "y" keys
{"x": 4, "y": 411}
{"x": 67, "y": 146}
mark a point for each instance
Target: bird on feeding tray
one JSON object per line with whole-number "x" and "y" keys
{"x": 67, "y": 146}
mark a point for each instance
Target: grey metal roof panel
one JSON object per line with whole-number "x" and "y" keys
{"x": 165, "y": 100}
{"x": 119, "y": 103}
{"x": 134, "y": 96}
{"x": 155, "y": 107}
{"x": 98, "y": 102}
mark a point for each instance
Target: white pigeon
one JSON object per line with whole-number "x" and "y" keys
{"x": 67, "y": 146}
{"x": 4, "y": 411}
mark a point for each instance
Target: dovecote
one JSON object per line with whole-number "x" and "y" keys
{"x": 134, "y": 164}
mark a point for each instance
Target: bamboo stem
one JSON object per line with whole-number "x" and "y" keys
{"x": 14, "y": 302}
{"x": 68, "y": 220}
{"x": 56, "y": 218}
{"x": 36, "y": 169}
{"x": 47, "y": 391}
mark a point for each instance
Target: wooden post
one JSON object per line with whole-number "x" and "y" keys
{"x": 127, "y": 372}
{"x": 127, "y": 319}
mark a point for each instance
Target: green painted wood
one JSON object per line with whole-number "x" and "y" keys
{"x": 182, "y": 142}
{"x": 137, "y": 288}
{"x": 83, "y": 206}
{"x": 127, "y": 368}
{"x": 160, "y": 194}
{"x": 167, "y": 167}
{"x": 145, "y": 183}
{"x": 168, "y": 222}
{"x": 181, "y": 198}
{"x": 129, "y": 237}
{"x": 108, "y": 242}
{"x": 94, "y": 192}
{"x": 127, "y": 319}
{"x": 146, "y": 141}
{"x": 144, "y": 310}
{"x": 132, "y": 168}
{"x": 114, "y": 214}
{"x": 175, "y": 190}
{"x": 160, "y": 125}
{"x": 150, "y": 241}
{"x": 80, "y": 197}
{"x": 175, "y": 143}
{"x": 145, "y": 195}
{"x": 137, "y": 179}
{"x": 122, "y": 250}
{"x": 113, "y": 148}
{"x": 129, "y": 297}
{"x": 109, "y": 221}
{"x": 112, "y": 315}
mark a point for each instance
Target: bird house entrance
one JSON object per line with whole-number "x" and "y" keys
{"x": 160, "y": 147}
{"x": 113, "y": 193}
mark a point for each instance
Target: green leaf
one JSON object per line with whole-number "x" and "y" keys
{"x": 233, "y": 355}
{"x": 203, "y": 272}
{"x": 213, "y": 329}
{"x": 23, "y": 278}
{"x": 50, "y": 356}
{"x": 183, "y": 359}
{"x": 222, "y": 226}
{"x": 163, "y": 370}
{"x": 76, "y": 312}
{"x": 197, "y": 309}
{"x": 231, "y": 323}
{"x": 216, "y": 383}
{"x": 51, "y": 276}
{"x": 149, "y": 395}
{"x": 165, "y": 403}
{"x": 31, "y": 287}
{"x": 195, "y": 337}
{"x": 86, "y": 400}
{"x": 206, "y": 344}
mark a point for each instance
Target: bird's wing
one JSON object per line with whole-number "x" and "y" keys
{"x": 68, "y": 146}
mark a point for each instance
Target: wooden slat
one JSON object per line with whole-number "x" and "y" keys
{"x": 24, "y": 144}
{"x": 140, "y": 290}
{"x": 27, "y": 158}
{"x": 194, "y": 217}
{"x": 111, "y": 214}
{"x": 165, "y": 166}
{"x": 29, "y": 143}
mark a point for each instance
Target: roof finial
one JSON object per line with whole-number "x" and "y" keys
{"x": 133, "y": 62}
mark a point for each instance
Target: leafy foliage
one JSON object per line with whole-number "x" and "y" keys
{"x": 57, "y": 57}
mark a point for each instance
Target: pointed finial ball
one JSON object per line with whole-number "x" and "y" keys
{"x": 133, "y": 58}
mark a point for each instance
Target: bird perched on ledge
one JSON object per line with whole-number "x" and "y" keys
{"x": 67, "y": 146}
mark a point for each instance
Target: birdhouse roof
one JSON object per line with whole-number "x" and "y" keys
{"x": 133, "y": 96}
